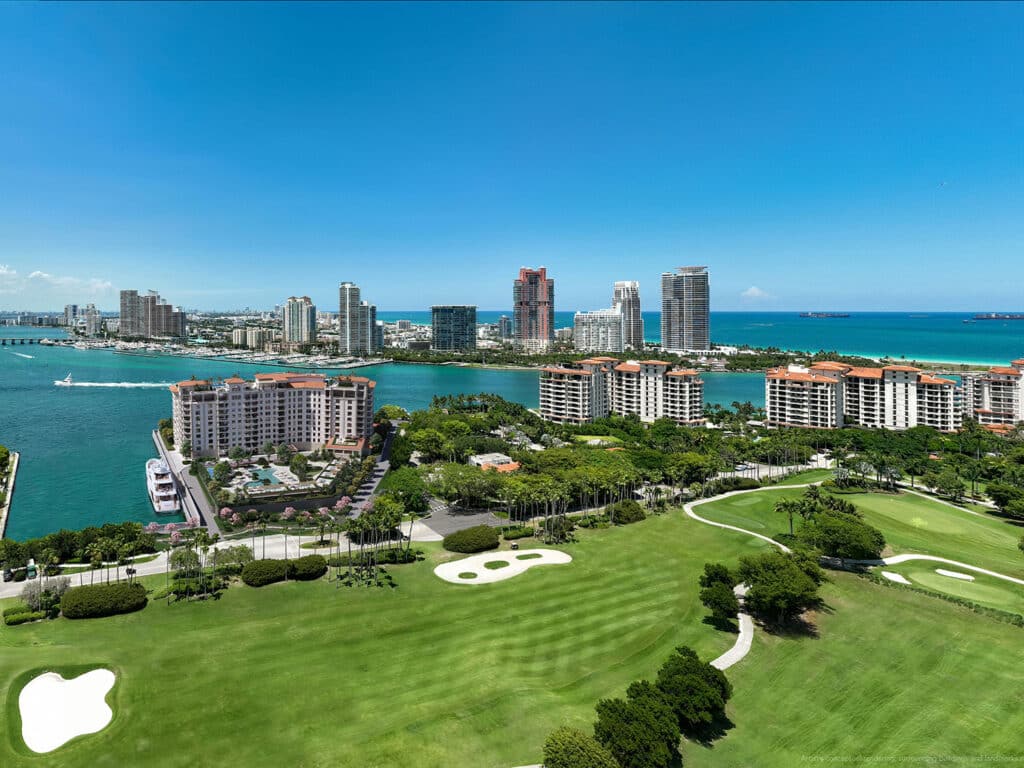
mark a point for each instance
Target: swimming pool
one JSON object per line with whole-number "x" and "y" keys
{"x": 261, "y": 475}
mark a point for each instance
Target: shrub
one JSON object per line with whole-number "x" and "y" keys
{"x": 258, "y": 573}
{"x": 476, "y": 539}
{"x": 20, "y": 618}
{"x": 96, "y": 600}
{"x": 570, "y": 748}
{"x": 727, "y": 484}
{"x": 385, "y": 557}
{"x": 307, "y": 568}
{"x": 15, "y": 609}
{"x": 517, "y": 532}
{"x": 627, "y": 511}
{"x": 843, "y": 536}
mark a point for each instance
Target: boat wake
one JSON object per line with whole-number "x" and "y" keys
{"x": 117, "y": 384}
{"x": 27, "y": 357}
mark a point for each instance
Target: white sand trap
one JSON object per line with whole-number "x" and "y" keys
{"x": 55, "y": 710}
{"x": 484, "y": 575}
{"x": 897, "y": 577}
{"x": 954, "y": 574}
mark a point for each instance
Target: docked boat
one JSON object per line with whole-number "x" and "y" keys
{"x": 65, "y": 382}
{"x": 162, "y": 491}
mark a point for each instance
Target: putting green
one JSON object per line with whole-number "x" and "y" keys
{"x": 984, "y": 590}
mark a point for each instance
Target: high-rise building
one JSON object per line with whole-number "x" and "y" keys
{"x": 533, "y": 302}
{"x": 602, "y": 330}
{"x": 626, "y": 296}
{"x": 299, "y": 321}
{"x": 238, "y": 337}
{"x": 649, "y": 389}
{"x": 307, "y": 410}
{"x": 150, "y": 317}
{"x": 357, "y": 323}
{"x": 453, "y": 327}
{"x": 504, "y": 327}
{"x": 256, "y": 338}
{"x": 829, "y": 395}
{"x": 70, "y": 314}
{"x": 93, "y": 320}
{"x": 685, "y": 310}
{"x": 995, "y": 398}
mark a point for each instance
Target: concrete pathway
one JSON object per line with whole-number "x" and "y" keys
{"x": 746, "y": 637}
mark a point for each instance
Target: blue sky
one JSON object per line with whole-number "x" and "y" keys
{"x": 814, "y": 156}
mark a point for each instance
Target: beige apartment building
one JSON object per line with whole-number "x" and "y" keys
{"x": 603, "y": 385}
{"x": 306, "y": 411}
{"x": 996, "y": 397}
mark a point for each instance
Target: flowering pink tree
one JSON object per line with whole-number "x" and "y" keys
{"x": 324, "y": 511}
{"x": 153, "y": 527}
{"x": 225, "y": 513}
{"x": 289, "y": 513}
{"x": 192, "y": 522}
{"x": 236, "y": 519}
{"x": 175, "y": 537}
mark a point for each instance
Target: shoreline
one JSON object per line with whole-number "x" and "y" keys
{"x": 9, "y": 492}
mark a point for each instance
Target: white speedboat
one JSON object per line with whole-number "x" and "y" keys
{"x": 162, "y": 491}
{"x": 65, "y": 382}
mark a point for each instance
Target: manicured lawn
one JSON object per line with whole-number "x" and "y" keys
{"x": 610, "y": 439}
{"x": 892, "y": 675}
{"x": 984, "y": 590}
{"x": 910, "y": 524}
{"x": 809, "y": 476}
{"x": 428, "y": 674}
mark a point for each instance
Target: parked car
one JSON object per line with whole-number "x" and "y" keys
{"x": 8, "y": 574}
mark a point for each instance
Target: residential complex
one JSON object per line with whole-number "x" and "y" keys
{"x": 829, "y": 395}
{"x": 453, "y": 328}
{"x": 600, "y": 386}
{"x": 305, "y": 410}
{"x": 685, "y": 310}
{"x": 995, "y": 398}
{"x": 150, "y": 317}
{"x": 599, "y": 331}
{"x": 626, "y": 297}
{"x": 298, "y": 321}
{"x": 93, "y": 320}
{"x": 358, "y": 332}
{"x": 504, "y": 327}
{"x": 533, "y": 303}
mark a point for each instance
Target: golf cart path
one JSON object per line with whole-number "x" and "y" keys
{"x": 743, "y": 643}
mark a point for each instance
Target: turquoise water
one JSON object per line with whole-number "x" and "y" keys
{"x": 935, "y": 336}
{"x": 261, "y": 475}
{"x": 84, "y": 448}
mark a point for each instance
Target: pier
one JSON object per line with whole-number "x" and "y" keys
{"x": 194, "y": 506}
{"x": 5, "y": 508}
{"x": 14, "y": 342}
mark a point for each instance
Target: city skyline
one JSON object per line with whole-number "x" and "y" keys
{"x": 767, "y": 142}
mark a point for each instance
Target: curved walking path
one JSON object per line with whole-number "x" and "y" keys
{"x": 743, "y": 643}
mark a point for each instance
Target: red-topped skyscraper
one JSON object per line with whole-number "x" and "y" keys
{"x": 533, "y": 304}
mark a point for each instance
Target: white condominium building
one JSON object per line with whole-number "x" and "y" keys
{"x": 603, "y": 385}
{"x": 298, "y": 316}
{"x": 686, "y": 310}
{"x": 829, "y": 395}
{"x": 995, "y": 398}
{"x": 306, "y": 411}
{"x": 626, "y": 297}
{"x": 599, "y": 331}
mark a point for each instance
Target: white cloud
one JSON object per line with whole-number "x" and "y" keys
{"x": 8, "y": 279}
{"x": 42, "y": 289}
{"x": 755, "y": 293}
{"x": 91, "y": 285}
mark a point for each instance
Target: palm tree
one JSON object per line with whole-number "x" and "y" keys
{"x": 788, "y": 507}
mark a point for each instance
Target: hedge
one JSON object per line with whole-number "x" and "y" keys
{"x": 258, "y": 573}
{"x": 19, "y": 608}
{"x": 627, "y": 511}
{"x": 383, "y": 557}
{"x": 20, "y": 618}
{"x": 476, "y": 539}
{"x": 307, "y": 568}
{"x": 517, "y": 532}
{"x": 95, "y": 600}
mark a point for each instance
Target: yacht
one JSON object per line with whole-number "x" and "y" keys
{"x": 65, "y": 382}
{"x": 162, "y": 491}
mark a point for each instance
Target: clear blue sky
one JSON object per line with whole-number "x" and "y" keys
{"x": 814, "y": 156}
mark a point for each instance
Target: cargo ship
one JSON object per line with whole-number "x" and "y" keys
{"x": 1000, "y": 316}
{"x": 824, "y": 314}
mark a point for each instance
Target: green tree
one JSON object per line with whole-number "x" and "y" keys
{"x": 5, "y": 457}
{"x": 788, "y": 507}
{"x": 721, "y": 601}
{"x": 780, "y": 587}
{"x": 696, "y": 691}
{"x": 222, "y": 472}
{"x": 570, "y": 748}
{"x": 633, "y": 734}
{"x": 715, "y": 573}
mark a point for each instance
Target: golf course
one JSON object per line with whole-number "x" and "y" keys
{"x": 431, "y": 673}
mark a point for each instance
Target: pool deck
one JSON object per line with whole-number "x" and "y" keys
{"x": 9, "y": 492}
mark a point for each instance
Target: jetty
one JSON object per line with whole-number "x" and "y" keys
{"x": 5, "y": 341}
{"x": 5, "y": 508}
{"x": 195, "y": 506}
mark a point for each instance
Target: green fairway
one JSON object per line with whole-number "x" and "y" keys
{"x": 428, "y": 674}
{"x": 894, "y": 678}
{"x": 608, "y": 439}
{"x": 910, "y": 524}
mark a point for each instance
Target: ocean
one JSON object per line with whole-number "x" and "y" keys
{"x": 84, "y": 448}
{"x": 930, "y": 336}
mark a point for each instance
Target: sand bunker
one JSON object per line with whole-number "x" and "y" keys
{"x": 954, "y": 574}
{"x": 898, "y": 578}
{"x": 55, "y": 710}
{"x": 457, "y": 571}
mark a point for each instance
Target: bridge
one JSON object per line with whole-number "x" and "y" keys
{"x": 13, "y": 342}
